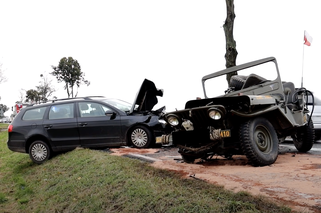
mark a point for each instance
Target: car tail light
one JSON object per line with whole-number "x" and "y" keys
{"x": 10, "y": 128}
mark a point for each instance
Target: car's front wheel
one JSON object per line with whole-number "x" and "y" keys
{"x": 140, "y": 137}
{"x": 259, "y": 141}
{"x": 39, "y": 152}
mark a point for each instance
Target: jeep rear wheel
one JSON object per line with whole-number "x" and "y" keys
{"x": 304, "y": 139}
{"x": 259, "y": 142}
{"x": 39, "y": 152}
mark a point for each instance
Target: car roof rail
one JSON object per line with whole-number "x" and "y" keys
{"x": 65, "y": 99}
{"x": 85, "y": 98}
{"x": 91, "y": 97}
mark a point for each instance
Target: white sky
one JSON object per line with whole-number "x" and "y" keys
{"x": 171, "y": 42}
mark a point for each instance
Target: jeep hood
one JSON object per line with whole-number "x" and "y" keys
{"x": 146, "y": 97}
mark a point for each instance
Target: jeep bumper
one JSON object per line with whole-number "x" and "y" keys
{"x": 165, "y": 140}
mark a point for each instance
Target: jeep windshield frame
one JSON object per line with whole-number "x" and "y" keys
{"x": 275, "y": 83}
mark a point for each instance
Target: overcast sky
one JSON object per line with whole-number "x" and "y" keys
{"x": 171, "y": 42}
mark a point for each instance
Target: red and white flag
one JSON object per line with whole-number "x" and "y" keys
{"x": 307, "y": 38}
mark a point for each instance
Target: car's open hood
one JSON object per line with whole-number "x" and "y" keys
{"x": 146, "y": 97}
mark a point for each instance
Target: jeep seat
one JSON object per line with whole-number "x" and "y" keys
{"x": 237, "y": 82}
{"x": 289, "y": 91}
{"x": 252, "y": 80}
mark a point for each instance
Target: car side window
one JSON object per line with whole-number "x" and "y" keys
{"x": 34, "y": 114}
{"x": 61, "y": 111}
{"x": 90, "y": 109}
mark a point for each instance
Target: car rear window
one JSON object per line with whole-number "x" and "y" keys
{"x": 34, "y": 114}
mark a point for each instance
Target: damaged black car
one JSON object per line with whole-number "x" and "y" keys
{"x": 92, "y": 122}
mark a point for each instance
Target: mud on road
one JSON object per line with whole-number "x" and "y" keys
{"x": 294, "y": 179}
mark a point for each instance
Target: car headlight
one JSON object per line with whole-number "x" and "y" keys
{"x": 215, "y": 114}
{"x": 173, "y": 120}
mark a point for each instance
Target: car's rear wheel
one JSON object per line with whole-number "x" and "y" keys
{"x": 39, "y": 152}
{"x": 259, "y": 142}
{"x": 304, "y": 139}
{"x": 140, "y": 137}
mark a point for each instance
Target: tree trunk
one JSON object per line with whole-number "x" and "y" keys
{"x": 231, "y": 53}
{"x": 67, "y": 88}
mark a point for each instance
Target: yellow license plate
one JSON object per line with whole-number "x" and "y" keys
{"x": 159, "y": 139}
{"x": 225, "y": 133}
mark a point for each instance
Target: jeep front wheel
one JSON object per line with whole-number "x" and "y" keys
{"x": 259, "y": 141}
{"x": 39, "y": 152}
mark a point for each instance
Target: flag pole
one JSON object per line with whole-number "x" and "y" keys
{"x": 302, "y": 67}
{"x": 307, "y": 41}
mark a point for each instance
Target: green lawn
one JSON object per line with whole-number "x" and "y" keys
{"x": 87, "y": 180}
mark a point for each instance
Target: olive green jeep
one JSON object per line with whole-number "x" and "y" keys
{"x": 253, "y": 114}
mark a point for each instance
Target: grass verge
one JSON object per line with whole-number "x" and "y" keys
{"x": 86, "y": 180}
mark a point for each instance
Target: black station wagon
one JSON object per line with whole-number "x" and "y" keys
{"x": 93, "y": 122}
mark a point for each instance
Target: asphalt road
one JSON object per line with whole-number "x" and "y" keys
{"x": 288, "y": 147}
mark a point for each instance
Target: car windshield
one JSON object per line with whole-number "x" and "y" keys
{"x": 119, "y": 104}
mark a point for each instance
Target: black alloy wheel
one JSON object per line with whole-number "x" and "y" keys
{"x": 39, "y": 152}
{"x": 140, "y": 137}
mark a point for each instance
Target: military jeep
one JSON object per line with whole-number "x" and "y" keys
{"x": 253, "y": 114}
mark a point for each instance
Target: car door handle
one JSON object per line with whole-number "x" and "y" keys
{"x": 82, "y": 124}
{"x": 48, "y": 126}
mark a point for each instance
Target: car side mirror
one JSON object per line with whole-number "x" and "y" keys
{"x": 111, "y": 114}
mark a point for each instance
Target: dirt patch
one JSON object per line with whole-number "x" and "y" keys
{"x": 294, "y": 179}
{"x": 128, "y": 150}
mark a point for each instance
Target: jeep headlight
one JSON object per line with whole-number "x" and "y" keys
{"x": 173, "y": 120}
{"x": 214, "y": 114}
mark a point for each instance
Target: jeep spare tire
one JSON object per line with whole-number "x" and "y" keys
{"x": 259, "y": 141}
